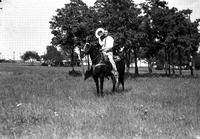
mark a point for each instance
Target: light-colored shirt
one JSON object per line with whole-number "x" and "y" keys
{"x": 107, "y": 43}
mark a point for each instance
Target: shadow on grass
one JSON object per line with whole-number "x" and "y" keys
{"x": 119, "y": 90}
{"x": 75, "y": 73}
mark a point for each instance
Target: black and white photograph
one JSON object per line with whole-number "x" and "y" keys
{"x": 100, "y": 69}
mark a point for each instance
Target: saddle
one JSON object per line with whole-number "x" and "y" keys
{"x": 115, "y": 58}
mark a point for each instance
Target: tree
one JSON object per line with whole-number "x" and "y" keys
{"x": 30, "y": 55}
{"x": 121, "y": 18}
{"x": 176, "y": 35}
{"x": 154, "y": 31}
{"x": 155, "y": 12}
{"x": 69, "y": 27}
{"x": 184, "y": 38}
{"x": 53, "y": 56}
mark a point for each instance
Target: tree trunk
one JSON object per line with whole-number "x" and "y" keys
{"x": 165, "y": 60}
{"x": 72, "y": 59}
{"x": 135, "y": 59}
{"x": 127, "y": 55}
{"x": 180, "y": 61}
{"x": 169, "y": 62}
{"x": 191, "y": 65}
{"x": 173, "y": 68}
{"x": 83, "y": 70}
{"x": 128, "y": 68}
{"x": 194, "y": 65}
{"x": 150, "y": 65}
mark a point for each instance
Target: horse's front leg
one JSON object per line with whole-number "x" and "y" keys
{"x": 97, "y": 85}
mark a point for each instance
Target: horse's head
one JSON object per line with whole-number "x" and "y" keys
{"x": 87, "y": 49}
{"x": 93, "y": 51}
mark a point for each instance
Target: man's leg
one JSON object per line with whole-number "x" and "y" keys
{"x": 110, "y": 56}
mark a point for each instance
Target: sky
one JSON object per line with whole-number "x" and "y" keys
{"x": 24, "y": 24}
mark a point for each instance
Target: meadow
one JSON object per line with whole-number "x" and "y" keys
{"x": 46, "y": 103}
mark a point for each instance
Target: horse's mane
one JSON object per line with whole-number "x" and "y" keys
{"x": 96, "y": 48}
{"x": 97, "y": 56}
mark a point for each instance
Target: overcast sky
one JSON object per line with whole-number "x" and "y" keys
{"x": 24, "y": 24}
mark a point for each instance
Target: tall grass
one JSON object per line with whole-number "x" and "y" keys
{"x": 45, "y": 102}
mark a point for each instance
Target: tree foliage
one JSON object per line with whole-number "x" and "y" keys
{"x": 30, "y": 55}
{"x": 53, "y": 56}
{"x": 121, "y": 18}
{"x": 69, "y": 26}
{"x": 176, "y": 36}
{"x": 150, "y": 30}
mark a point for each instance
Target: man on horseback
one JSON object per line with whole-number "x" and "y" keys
{"x": 107, "y": 44}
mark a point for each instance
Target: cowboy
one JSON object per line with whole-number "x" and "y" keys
{"x": 107, "y": 44}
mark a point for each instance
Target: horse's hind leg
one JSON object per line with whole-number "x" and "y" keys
{"x": 97, "y": 85}
{"x": 121, "y": 80}
{"x": 101, "y": 85}
{"x": 114, "y": 82}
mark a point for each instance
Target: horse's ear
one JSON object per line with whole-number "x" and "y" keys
{"x": 87, "y": 45}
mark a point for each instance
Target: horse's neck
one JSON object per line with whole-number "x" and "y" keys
{"x": 95, "y": 57}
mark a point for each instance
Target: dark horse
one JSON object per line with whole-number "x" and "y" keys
{"x": 102, "y": 68}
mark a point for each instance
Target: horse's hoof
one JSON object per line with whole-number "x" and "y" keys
{"x": 102, "y": 94}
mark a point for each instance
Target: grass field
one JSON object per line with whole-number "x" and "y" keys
{"x": 46, "y": 103}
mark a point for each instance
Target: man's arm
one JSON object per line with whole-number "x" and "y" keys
{"x": 100, "y": 41}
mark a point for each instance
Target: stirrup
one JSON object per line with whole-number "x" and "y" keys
{"x": 115, "y": 73}
{"x": 116, "y": 78}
